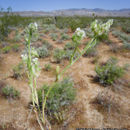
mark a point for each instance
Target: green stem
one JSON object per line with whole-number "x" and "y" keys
{"x": 90, "y": 44}
{"x": 71, "y": 59}
{"x": 44, "y": 103}
{"x": 35, "y": 91}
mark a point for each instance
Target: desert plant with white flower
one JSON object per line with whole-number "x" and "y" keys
{"x": 101, "y": 30}
{"x": 33, "y": 70}
{"x": 31, "y": 62}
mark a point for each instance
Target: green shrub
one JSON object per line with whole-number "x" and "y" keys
{"x": 126, "y": 45}
{"x": 47, "y": 67}
{"x": 61, "y": 96}
{"x": 58, "y": 55}
{"x": 6, "y": 49}
{"x": 15, "y": 47}
{"x": 108, "y": 41}
{"x": 47, "y": 45}
{"x": 69, "y": 46}
{"x": 75, "y": 23}
{"x": 49, "y": 28}
{"x": 4, "y": 24}
{"x": 109, "y": 72}
{"x": 59, "y": 41}
{"x": 66, "y": 30}
{"x": 114, "y": 48}
{"x": 17, "y": 37}
{"x": 10, "y": 92}
{"x": 43, "y": 52}
{"x": 54, "y": 36}
{"x": 91, "y": 52}
{"x": 95, "y": 60}
{"x": 121, "y": 35}
{"x": 68, "y": 54}
{"x": 18, "y": 71}
{"x": 65, "y": 36}
{"x": 126, "y": 29}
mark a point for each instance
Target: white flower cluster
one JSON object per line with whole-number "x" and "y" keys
{"x": 34, "y": 64}
{"x": 100, "y": 29}
{"x": 24, "y": 57}
{"x": 33, "y": 26}
{"x": 80, "y": 33}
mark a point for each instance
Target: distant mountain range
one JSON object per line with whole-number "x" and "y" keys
{"x": 79, "y": 12}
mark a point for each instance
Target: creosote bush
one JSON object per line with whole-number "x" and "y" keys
{"x": 61, "y": 96}
{"x": 109, "y": 72}
{"x": 10, "y": 92}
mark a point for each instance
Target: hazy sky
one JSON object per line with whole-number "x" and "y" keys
{"x": 48, "y": 5}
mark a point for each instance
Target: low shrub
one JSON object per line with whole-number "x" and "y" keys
{"x": 47, "y": 67}
{"x": 66, "y": 30}
{"x": 95, "y": 60}
{"x": 43, "y": 52}
{"x": 18, "y": 71}
{"x": 10, "y": 92}
{"x": 109, "y": 72}
{"x": 126, "y": 29}
{"x": 6, "y": 49}
{"x": 107, "y": 101}
{"x": 59, "y": 41}
{"x": 121, "y": 35}
{"x": 54, "y": 36}
{"x": 17, "y": 37}
{"x": 58, "y": 55}
{"x": 126, "y": 45}
{"x": 15, "y": 47}
{"x": 49, "y": 28}
{"x": 108, "y": 41}
{"x": 91, "y": 52}
{"x": 47, "y": 45}
{"x": 2, "y": 85}
{"x": 69, "y": 46}
{"x": 65, "y": 36}
{"x": 68, "y": 54}
{"x": 114, "y": 48}
{"x": 61, "y": 96}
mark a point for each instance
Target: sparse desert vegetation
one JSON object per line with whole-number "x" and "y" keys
{"x": 64, "y": 72}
